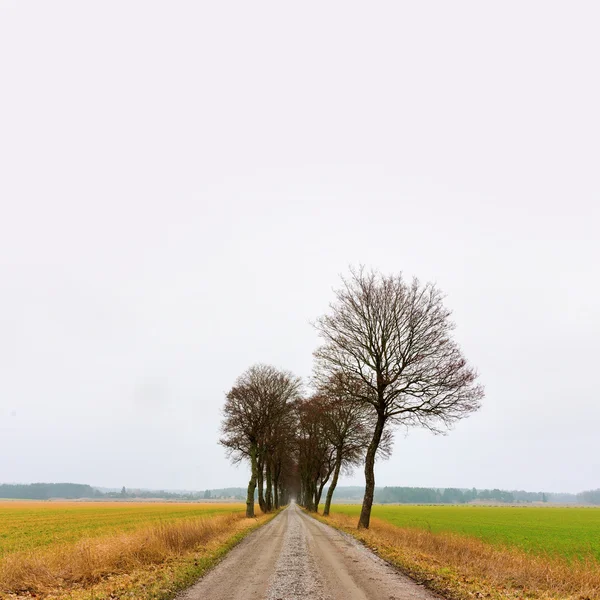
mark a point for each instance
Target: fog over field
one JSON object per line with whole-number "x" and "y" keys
{"x": 182, "y": 184}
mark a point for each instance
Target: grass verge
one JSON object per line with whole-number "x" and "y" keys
{"x": 149, "y": 564}
{"x": 463, "y": 568}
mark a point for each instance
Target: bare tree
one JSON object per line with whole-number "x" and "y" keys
{"x": 316, "y": 455}
{"x": 348, "y": 428}
{"x": 395, "y": 339}
{"x": 255, "y": 407}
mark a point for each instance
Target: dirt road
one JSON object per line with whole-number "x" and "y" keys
{"x": 296, "y": 557}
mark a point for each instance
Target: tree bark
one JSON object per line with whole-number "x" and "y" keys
{"x": 365, "y": 513}
{"x": 269, "y": 493}
{"x": 336, "y": 474}
{"x": 310, "y": 493}
{"x": 260, "y": 482}
{"x": 276, "y": 475}
{"x": 305, "y": 493}
{"x": 251, "y": 483}
{"x": 319, "y": 493}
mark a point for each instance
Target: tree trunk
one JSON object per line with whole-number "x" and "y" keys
{"x": 309, "y": 500}
{"x": 276, "y": 474}
{"x": 269, "y": 494}
{"x": 365, "y": 513}
{"x": 260, "y": 482}
{"x": 251, "y": 483}
{"x": 319, "y": 493}
{"x": 305, "y": 493}
{"x": 336, "y": 474}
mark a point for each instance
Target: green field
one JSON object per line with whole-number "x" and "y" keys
{"x": 569, "y": 532}
{"x": 31, "y": 525}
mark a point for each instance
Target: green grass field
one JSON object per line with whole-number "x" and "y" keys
{"x": 31, "y": 525}
{"x": 569, "y": 532}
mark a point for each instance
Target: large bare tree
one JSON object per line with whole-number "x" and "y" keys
{"x": 395, "y": 338}
{"x": 257, "y": 406}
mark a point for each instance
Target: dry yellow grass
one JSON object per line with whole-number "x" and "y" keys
{"x": 28, "y": 525}
{"x": 122, "y": 565}
{"x": 464, "y": 568}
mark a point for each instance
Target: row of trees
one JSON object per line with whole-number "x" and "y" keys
{"x": 258, "y": 426}
{"x": 387, "y": 359}
{"x": 333, "y": 434}
{"x": 295, "y": 445}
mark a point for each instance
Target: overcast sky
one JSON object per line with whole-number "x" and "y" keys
{"x": 182, "y": 184}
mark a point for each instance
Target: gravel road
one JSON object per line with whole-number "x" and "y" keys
{"x": 295, "y": 557}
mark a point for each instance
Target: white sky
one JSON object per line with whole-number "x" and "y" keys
{"x": 181, "y": 184}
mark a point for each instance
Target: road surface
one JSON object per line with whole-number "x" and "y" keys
{"x": 295, "y": 557}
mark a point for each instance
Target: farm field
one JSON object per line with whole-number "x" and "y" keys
{"x": 466, "y": 552}
{"x": 101, "y": 550}
{"x": 28, "y": 525}
{"x": 572, "y": 533}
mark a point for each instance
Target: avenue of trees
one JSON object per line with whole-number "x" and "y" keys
{"x": 387, "y": 359}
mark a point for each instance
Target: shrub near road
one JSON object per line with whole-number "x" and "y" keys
{"x": 105, "y": 550}
{"x": 498, "y": 552}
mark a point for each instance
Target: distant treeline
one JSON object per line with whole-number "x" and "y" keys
{"x": 236, "y": 493}
{"x": 413, "y": 495}
{"x": 216, "y": 494}
{"x": 383, "y": 495}
{"x": 407, "y": 495}
{"x": 147, "y": 494}
{"x": 76, "y": 491}
{"x": 44, "y": 491}
{"x": 589, "y": 497}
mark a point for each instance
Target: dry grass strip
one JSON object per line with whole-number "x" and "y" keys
{"x": 88, "y": 562}
{"x": 464, "y": 567}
